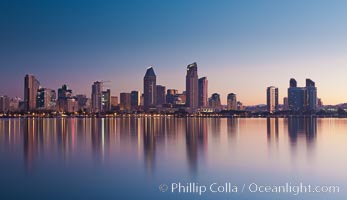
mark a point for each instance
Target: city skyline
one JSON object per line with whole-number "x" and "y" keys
{"x": 151, "y": 87}
{"x": 237, "y": 45}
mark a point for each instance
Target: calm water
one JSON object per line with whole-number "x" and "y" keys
{"x": 130, "y": 158}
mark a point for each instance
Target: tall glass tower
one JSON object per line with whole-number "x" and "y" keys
{"x": 149, "y": 88}
{"x": 192, "y": 87}
{"x": 31, "y": 85}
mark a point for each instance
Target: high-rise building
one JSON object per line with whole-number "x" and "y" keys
{"x": 31, "y": 85}
{"x": 297, "y": 98}
{"x": 170, "y": 96}
{"x": 142, "y": 99}
{"x": 83, "y": 102}
{"x": 125, "y": 101}
{"x": 71, "y": 105}
{"x": 4, "y": 103}
{"x": 160, "y": 95}
{"x": 114, "y": 102}
{"x": 231, "y": 101}
{"x": 311, "y": 95}
{"x": 97, "y": 88}
{"x": 64, "y": 93}
{"x": 135, "y": 99}
{"x": 203, "y": 92}
{"x": 292, "y": 82}
{"x": 149, "y": 88}
{"x": 215, "y": 102}
{"x": 285, "y": 103}
{"x": 272, "y": 99}
{"x": 180, "y": 99}
{"x": 46, "y": 99}
{"x": 106, "y": 100}
{"x": 14, "y": 104}
{"x": 192, "y": 87}
{"x": 302, "y": 98}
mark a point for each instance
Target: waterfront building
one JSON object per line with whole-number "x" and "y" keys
{"x": 170, "y": 94}
{"x": 203, "y": 92}
{"x": 125, "y": 101}
{"x": 215, "y": 102}
{"x": 149, "y": 88}
{"x": 272, "y": 99}
{"x": 192, "y": 98}
{"x": 160, "y": 99}
{"x": 97, "y": 89}
{"x": 31, "y": 86}
{"x": 231, "y": 102}
{"x": 46, "y": 99}
{"x": 135, "y": 99}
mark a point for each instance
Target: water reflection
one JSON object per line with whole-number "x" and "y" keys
{"x": 64, "y": 136}
{"x": 196, "y": 142}
{"x": 272, "y": 129}
{"x": 302, "y": 128}
{"x": 233, "y": 128}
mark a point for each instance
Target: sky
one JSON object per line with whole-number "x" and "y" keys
{"x": 241, "y": 46}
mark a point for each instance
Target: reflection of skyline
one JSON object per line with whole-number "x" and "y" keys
{"x": 148, "y": 137}
{"x": 233, "y": 128}
{"x": 272, "y": 129}
{"x": 29, "y": 142}
{"x": 196, "y": 141}
{"x": 153, "y": 132}
{"x": 302, "y": 129}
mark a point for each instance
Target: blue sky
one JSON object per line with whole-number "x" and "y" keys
{"x": 241, "y": 46}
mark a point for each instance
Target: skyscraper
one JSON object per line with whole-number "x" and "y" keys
{"x": 292, "y": 82}
{"x": 114, "y": 102}
{"x": 192, "y": 88}
{"x": 232, "y": 101}
{"x": 31, "y": 85}
{"x": 106, "y": 100}
{"x": 4, "y": 103}
{"x": 296, "y": 96}
{"x": 203, "y": 91}
{"x": 302, "y": 98}
{"x": 46, "y": 99}
{"x": 97, "y": 88}
{"x": 64, "y": 93}
{"x": 215, "y": 102}
{"x": 125, "y": 100}
{"x": 83, "y": 102}
{"x": 311, "y": 95}
{"x": 160, "y": 95}
{"x": 170, "y": 96}
{"x": 149, "y": 88}
{"x": 135, "y": 99}
{"x": 272, "y": 99}
{"x": 285, "y": 103}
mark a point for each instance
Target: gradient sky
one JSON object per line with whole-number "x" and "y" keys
{"x": 241, "y": 46}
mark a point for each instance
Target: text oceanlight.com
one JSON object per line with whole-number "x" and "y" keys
{"x": 228, "y": 187}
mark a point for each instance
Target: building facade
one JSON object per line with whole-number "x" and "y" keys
{"x": 231, "y": 101}
{"x": 97, "y": 88}
{"x": 272, "y": 99}
{"x": 149, "y": 88}
{"x": 192, "y": 88}
{"x": 203, "y": 92}
{"x": 125, "y": 101}
{"x": 31, "y": 86}
{"x": 161, "y": 95}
